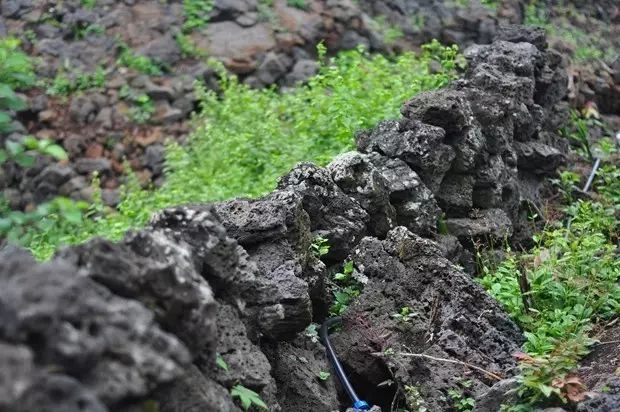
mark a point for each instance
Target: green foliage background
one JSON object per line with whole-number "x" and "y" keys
{"x": 244, "y": 139}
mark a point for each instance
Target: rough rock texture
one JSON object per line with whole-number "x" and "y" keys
{"x": 484, "y": 142}
{"x": 452, "y": 318}
{"x": 154, "y": 318}
{"x": 113, "y": 344}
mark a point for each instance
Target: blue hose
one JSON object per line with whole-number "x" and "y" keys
{"x": 358, "y": 403}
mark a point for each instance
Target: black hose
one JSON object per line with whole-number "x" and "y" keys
{"x": 331, "y": 355}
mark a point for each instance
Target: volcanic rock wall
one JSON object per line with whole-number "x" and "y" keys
{"x": 135, "y": 325}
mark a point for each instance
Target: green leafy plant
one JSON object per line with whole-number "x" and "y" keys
{"x": 220, "y": 362}
{"x": 461, "y": 403}
{"x": 142, "y": 106}
{"x": 348, "y": 288}
{"x": 248, "y": 138}
{"x": 414, "y": 400}
{"x": 16, "y": 72}
{"x": 63, "y": 85}
{"x": 324, "y": 375}
{"x": 143, "y": 64}
{"x": 312, "y": 332}
{"x": 390, "y": 34}
{"x": 247, "y": 397}
{"x": 405, "y": 314}
{"x": 572, "y": 284}
{"x": 188, "y": 47}
{"x": 196, "y": 13}
{"x": 23, "y": 153}
{"x": 82, "y": 31}
{"x": 319, "y": 247}
{"x": 300, "y": 4}
{"x": 17, "y": 226}
{"x": 89, "y": 4}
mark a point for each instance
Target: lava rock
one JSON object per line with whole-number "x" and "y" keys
{"x": 111, "y": 343}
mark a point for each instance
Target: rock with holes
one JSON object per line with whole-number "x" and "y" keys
{"x": 275, "y": 231}
{"x": 112, "y": 343}
{"x": 415, "y": 205}
{"x": 194, "y": 392}
{"x": 217, "y": 257}
{"x": 245, "y": 363}
{"x": 487, "y": 226}
{"x": 420, "y": 145}
{"x": 158, "y": 271}
{"x": 16, "y": 373}
{"x": 303, "y": 375}
{"x": 355, "y": 174}
{"x": 450, "y": 317}
{"x": 332, "y": 213}
{"x": 51, "y": 392}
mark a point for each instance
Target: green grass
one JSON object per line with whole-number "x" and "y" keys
{"x": 573, "y": 275}
{"x": 244, "y": 139}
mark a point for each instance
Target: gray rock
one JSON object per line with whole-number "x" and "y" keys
{"x": 16, "y": 372}
{"x": 453, "y": 317}
{"x": 354, "y": 173}
{"x": 603, "y": 402}
{"x": 301, "y": 71}
{"x": 489, "y": 226}
{"x": 246, "y": 363}
{"x": 163, "y": 49}
{"x": 297, "y": 367}
{"x": 273, "y": 67}
{"x": 111, "y": 343}
{"x": 83, "y": 109}
{"x": 276, "y": 232}
{"x": 420, "y": 145}
{"x": 111, "y": 197}
{"x": 160, "y": 273}
{"x": 194, "y": 392}
{"x": 416, "y": 207}
{"x": 154, "y": 157}
{"x": 75, "y": 184}
{"x": 54, "y": 175}
{"x": 58, "y": 393}
{"x": 503, "y": 392}
{"x": 455, "y": 195}
{"x": 538, "y": 158}
{"x": 333, "y": 214}
{"x": 88, "y": 165}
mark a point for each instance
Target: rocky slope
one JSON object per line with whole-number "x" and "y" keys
{"x": 139, "y": 324}
{"x": 263, "y": 42}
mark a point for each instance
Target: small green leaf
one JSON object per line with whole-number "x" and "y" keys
{"x": 220, "y": 362}
{"x": 24, "y": 160}
{"x": 56, "y": 151}
{"x": 324, "y": 375}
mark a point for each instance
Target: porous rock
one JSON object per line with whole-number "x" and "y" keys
{"x": 113, "y": 344}
{"x": 452, "y": 318}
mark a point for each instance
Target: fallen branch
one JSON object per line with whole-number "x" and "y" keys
{"x": 606, "y": 343}
{"x": 455, "y": 361}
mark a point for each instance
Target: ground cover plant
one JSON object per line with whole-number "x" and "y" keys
{"x": 244, "y": 139}
{"x": 571, "y": 288}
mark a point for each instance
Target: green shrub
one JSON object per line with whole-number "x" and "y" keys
{"x": 63, "y": 85}
{"x": 16, "y": 72}
{"x": 143, "y": 64}
{"x": 573, "y": 275}
{"x": 244, "y": 139}
{"x": 196, "y": 13}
